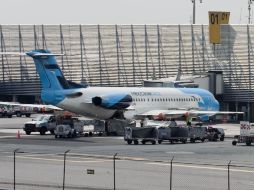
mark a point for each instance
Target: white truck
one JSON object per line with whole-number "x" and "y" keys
{"x": 42, "y": 123}
{"x": 246, "y": 134}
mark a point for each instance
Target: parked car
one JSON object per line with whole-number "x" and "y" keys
{"x": 214, "y": 134}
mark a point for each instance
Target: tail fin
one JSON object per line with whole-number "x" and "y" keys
{"x": 50, "y": 74}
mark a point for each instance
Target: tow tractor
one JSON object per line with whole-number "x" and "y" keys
{"x": 246, "y": 134}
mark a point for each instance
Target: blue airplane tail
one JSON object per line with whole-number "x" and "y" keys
{"x": 50, "y": 74}
{"x": 54, "y": 85}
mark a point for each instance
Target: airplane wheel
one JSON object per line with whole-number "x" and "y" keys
{"x": 136, "y": 142}
{"x": 143, "y": 142}
{"x": 43, "y": 130}
{"x": 234, "y": 143}
{"x": 153, "y": 142}
{"x": 248, "y": 143}
{"x": 159, "y": 141}
{"x": 28, "y": 115}
{"x": 129, "y": 141}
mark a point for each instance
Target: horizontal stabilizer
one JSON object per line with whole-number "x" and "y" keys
{"x": 29, "y": 54}
{"x": 13, "y": 53}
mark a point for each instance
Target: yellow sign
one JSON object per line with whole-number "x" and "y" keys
{"x": 215, "y": 20}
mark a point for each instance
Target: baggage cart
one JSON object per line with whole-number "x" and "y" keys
{"x": 116, "y": 127}
{"x": 173, "y": 134}
{"x": 197, "y": 133}
{"x": 92, "y": 127}
{"x": 143, "y": 134}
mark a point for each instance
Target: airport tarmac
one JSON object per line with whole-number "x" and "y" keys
{"x": 41, "y": 160}
{"x": 209, "y": 152}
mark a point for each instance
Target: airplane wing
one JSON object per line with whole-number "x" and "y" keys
{"x": 191, "y": 113}
{"x": 50, "y": 107}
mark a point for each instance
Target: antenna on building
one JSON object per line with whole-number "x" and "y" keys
{"x": 194, "y": 11}
{"x": 249, "y": 9}
{"x": 240, "y": 20}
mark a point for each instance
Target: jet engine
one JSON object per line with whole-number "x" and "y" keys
{"x": 113, "y": 101}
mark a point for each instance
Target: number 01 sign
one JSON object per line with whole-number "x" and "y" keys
{"x": 215, "y": 20}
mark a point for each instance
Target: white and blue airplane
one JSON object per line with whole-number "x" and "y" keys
{"x": 112, "y": 102}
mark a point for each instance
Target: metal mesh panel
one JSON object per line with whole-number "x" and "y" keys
{"x": 192, "y": 176}
{"x": 241, "y": 177}
{"x": 125, "y": 55}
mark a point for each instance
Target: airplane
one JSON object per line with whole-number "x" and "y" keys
{"x": 118, "y": 102}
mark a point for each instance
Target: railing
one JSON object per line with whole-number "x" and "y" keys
{"x": 28, "y": 170}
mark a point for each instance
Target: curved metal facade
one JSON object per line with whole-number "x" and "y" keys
{"x": 125, "y": 55}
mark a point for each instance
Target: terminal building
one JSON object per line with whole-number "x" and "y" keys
{"x": 128, "y": 55}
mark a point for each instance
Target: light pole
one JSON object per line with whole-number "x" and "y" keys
{"x": 194, "y": 11}
{"x": 249, "y": 9}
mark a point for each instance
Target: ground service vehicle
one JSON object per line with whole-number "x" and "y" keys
{"x": 214, "y": 134}
{"x": 246, "y": 134}
{"x": 42, "y": 123}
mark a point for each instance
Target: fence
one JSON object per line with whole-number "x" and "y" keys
{"x": 26, "y": 170}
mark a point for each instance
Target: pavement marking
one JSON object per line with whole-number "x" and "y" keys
{"x": 180, "y": 152}
{"x": 202, "y": 167}
{"x": 61, "y": 160}
{"x": 15, "y": 136}
{"x": 108, "y": 156}
{"x": 5, "y": 137}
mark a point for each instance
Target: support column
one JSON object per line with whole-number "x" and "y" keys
{"x": 248, "y": 111}
{"x": 203, "y": 48}
{"x": 192, "y": 50}
{"x": 2, "y": 56}
{"x": 81, "y": 53}
{"x": 133, "y": 56}
{"x": 146, "y": 54}
{"x": 159, "y": 50}
{"x": 14, "y": 98}
{"x": 117, "y": 55}
{"x": 179, "y": 54}
{"x": 99, "y": 49}
{"x": 236, "y": 109}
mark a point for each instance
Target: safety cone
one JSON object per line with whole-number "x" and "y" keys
{"x": 18, "y": 135}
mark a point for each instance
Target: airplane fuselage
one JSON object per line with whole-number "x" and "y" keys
{"x": 143, "y": 99}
